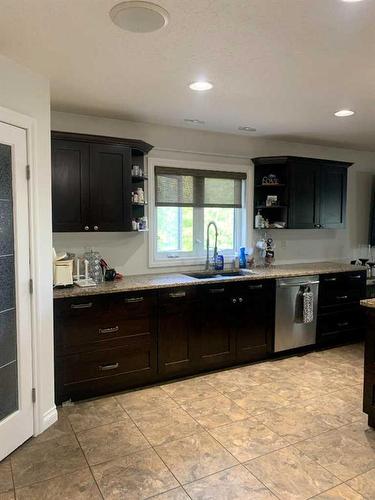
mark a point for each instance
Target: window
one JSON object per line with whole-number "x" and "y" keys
{"x": 186, "y": 201}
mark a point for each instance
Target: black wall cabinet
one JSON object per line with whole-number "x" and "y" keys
{"x": 313, "y": 191}
{"x": 92, "y": 181}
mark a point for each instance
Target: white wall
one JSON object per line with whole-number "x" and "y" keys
{"x": 27, "y": 93}
{"x": 129, "y": 252}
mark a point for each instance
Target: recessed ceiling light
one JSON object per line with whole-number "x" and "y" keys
{"x": 139, "y": 17}
{"x": 201, "y": 85}
{"x": 195, "y": 121}
{"x": 344, "y": 112}
{"x": 247, "y": 129}
{"x": 351, "y": 1}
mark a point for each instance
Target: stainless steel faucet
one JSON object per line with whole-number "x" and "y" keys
{"x": 212, "y": 223}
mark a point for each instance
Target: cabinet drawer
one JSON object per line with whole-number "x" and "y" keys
{"x": 108, "y": 362}
{"x": 342, "y": 321}
{"x": 338, "y": 297}
{"x": 355, "y": 280}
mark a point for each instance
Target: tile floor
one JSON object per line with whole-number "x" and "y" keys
{"x": 287, "y": 429}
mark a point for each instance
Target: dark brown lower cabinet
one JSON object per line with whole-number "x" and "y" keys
{"x": 369, "y": 375}
{"x": 177, "y": 330}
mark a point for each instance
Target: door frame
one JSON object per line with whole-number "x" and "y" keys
{"x": 28, "y": 123}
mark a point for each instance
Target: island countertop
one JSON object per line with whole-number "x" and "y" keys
{"x": 369, "y": 303}
{"x": 169, "y": 280}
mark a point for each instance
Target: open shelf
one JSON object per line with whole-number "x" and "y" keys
{"x": 136, "y": 179}
{"x": 269, "y": 185}
{"x": 263, "y": 207}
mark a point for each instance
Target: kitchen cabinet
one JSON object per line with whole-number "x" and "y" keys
{"x": 178, "y": 324}
{"x": 92, "y": 182}
{"x": 339, "y": 315}
{"x": 369, "y": 367}
{"x": 311, "y": 192}
{"x": 252, "y": 319}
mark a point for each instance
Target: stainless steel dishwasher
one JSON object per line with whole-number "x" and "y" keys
{"x": 288, "y": 333}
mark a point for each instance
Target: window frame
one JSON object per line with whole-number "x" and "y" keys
{"x": 161, "y": 259}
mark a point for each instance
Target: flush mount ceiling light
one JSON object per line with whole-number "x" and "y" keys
{"x": 139, "y": 17}
{"x": 247, "y": 129}
{"x": 195, "y": 121}
{"x": 351, "y": 1}
{"x": 200, "y": 86}
{"x": 344, "y": 112}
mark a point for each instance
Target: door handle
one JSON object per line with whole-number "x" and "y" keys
{"x": 176, "y": 295}
{"x": 302, "y": 283}
{"x": 113, "y": 329}
{"x": 341, "y": 297}
{"x": 133, "y": 300}
{"x": 216, "y": 290}
{"x": 344, "y": 323}
{"x": 86, "y": 305}
{"x": 104, "y": 368}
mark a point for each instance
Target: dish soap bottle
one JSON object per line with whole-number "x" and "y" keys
{"x": 219, "y": 263}
{"x": 242, "y": 258}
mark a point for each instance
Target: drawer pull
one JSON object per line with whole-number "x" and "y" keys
{"x": 86, "y": 305}
{"x": 216, "y": 290}
{"x": 133, "y": 300}
{"x": 255, "y": 287}
{"x": 330, "y": 279}
{"x": 342, "y": 297}
{"x": 114, "y": 329}
{"x": 356, "y": 277}
{"x": 344, "y": 323}
{"x": 105, "y": 368}
{"x": 176, "y": 295}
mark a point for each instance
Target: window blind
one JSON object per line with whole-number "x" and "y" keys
{"x": 181, "y": 187}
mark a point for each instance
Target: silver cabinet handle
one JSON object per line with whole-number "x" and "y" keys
{"x": 302, "y": 283}
{"x": 104, "y": 368}
{"x": 86, "y": 305}
{"x": 255, "y": 287}
{"x": 341, "y": 297}
{"x": 86, "y": 228}
{"x": 329, "y": 279}
{"x": 240, "y": 300}
{"x": 344, "y": 323}
{"x": 234, "y": 301}
{"x": 216, "y": 290}
{"x": 96, "y": 228}
{"x": 133, "y": 300}
{"x": 114, "y": 329}
{"x": 356, "y": 277}
{"x": 176, "y": 295}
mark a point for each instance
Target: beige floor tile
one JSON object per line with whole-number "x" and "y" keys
{"x": 364, "y": 484}
{"x": 89, "y": 414}
{"x": 340, "y": 492}
{"x": 333, "y": 410}
{"x": 111, "y": 441}
{"x": 7, "y": 495}
{"x": 136, "y": 476}
{"x": 190, "y": 390}
{"x": 294, "y": 423}
{"x": 231, "y": 380}
{"x": 215, "y": 411}
{"x": 291, "y": 475}
{"x": 78, "y": 485}
{"x": 342, "y": 455}
{"x": 176, "y": 494}
{"x": 195, "y": 456}
{"x": 293, "y": 391}
{"x": 232, "y": 484}
{"x": 137, "y": 402}
{"x": 248, "y": 439}
{"x": 360, "y": 432}
{"x": 37, "y": 461}
{"x": 352, "y": 395}
{"x": 257, "y": 400}
{"x": 167, "y": 424}
{"x": 58, "y": 430}
{"x": 6, "y": 482}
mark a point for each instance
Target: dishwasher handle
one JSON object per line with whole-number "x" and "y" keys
{"x": 300, "y": 283}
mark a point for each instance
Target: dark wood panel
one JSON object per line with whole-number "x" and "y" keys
{"x": 333, "y": 182}
{"x": 303, "y": 197}
{"x": 70, "y": 185}
{"x": 110, "y": 188}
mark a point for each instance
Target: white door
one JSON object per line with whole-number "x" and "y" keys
{"x": 16, "y": 407}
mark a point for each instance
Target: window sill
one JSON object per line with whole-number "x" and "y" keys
{"x": 184, "y": 262}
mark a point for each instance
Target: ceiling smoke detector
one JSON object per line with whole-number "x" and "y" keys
{"x": 139, "y": 17}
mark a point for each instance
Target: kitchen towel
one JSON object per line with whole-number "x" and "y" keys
{"x": 304, "y": 308}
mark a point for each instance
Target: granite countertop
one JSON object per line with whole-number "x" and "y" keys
{"x": 369, "y": 303}
{"x": 156, "y": 281}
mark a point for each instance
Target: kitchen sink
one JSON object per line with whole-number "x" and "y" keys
{"x": 218, "y": 274}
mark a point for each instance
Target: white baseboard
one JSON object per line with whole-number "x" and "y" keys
{"x": 49, "y": 418}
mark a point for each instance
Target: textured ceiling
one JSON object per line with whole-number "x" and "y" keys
{"x": 281, "y": 66}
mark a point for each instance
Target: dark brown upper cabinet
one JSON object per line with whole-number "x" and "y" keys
{"x": 92, "y": 182}
{"x": 311, "y": 192}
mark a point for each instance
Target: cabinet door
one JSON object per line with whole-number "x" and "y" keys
{"x": 304, "y": 196}
{"x": 253, "y": 319}
{"x": 177, "y": 327}
{"x": 110, "y": 188}
{"x": 216, "y": 340}
{"x": 70, "y": 185}
{"x": 333, "y": 182}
